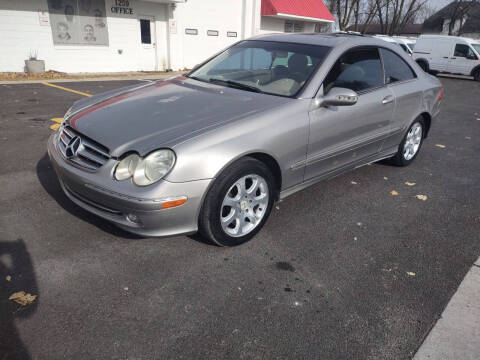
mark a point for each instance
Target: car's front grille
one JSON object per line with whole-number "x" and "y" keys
{"x": 81, "y": 150}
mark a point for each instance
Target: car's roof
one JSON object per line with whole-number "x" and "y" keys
{"x": 432, "y": 36}
{"x": 323, "y": 39}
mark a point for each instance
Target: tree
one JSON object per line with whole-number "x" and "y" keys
{"x": 459, "y": 13}
{"x": 356, "y": 11}
{"x": 391, "y": 15}
{"x": 343, "y": 10}
{"x": 394, "y": 15}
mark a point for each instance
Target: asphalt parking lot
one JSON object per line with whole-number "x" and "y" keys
{"x": 342, "y": 270}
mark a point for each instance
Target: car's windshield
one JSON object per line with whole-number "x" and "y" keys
{"x": 476, "y": 47}
{"x": 411, "y": 46}
{"x": 269, "y": 67}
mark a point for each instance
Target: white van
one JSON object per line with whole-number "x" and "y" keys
{"x": 407, "y": 44}
{"x": 448, "y": 54}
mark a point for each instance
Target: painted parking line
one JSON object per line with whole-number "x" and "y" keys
{"x": 66, "y": 89}
{"x": 57, "y": 122}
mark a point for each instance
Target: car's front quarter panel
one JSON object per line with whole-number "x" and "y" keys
{"x": 99, "y": 193}
{"x": 281, "y": 133}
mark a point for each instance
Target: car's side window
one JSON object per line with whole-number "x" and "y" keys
{"x": 358, "y": 70}
{"x": 461, "y": 50}
{"x": 404, "y": 47}
{"x": 396, "y": 69}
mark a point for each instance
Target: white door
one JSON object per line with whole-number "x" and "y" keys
{"x": 463, "y": 60}
{"x": 442, "y": 50}
{"x": 148, "y": 50}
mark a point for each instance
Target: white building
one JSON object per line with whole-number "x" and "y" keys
{"x": 130, "y": 35}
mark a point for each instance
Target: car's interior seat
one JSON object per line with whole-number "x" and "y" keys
{"x": 298, "y": 67}
{"x": 280, "y": 72}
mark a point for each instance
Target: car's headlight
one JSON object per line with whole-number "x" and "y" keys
{"x": 147, "y": 170}
{"x": 126, "y": 167}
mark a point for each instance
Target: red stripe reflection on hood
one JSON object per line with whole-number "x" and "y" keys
{"x": 113, "y": 101}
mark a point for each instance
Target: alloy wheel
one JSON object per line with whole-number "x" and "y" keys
{"x": 413, "y": 141}
{"x": 244, "y": 206}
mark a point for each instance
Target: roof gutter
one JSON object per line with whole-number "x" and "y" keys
{"x": 298, "y": 17}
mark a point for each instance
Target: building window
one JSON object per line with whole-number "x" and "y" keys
{"x": 294, "y": 26}
{"x": 231, "y": 33}
{"x": 212, "y": 32}
{"x": 191, "y": 31}
{"x": 322, "y": 27}
{"x": 145, "y": 31}
{"x": 298, "y": 26}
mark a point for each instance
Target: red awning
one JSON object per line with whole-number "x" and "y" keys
{"x": 313, "y": 9}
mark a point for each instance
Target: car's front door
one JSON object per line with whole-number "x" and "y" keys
{"x": 463, "y": 60}
{"x": 344, "y": 135}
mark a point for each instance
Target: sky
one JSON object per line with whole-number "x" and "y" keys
{"x": 438, "y": 4}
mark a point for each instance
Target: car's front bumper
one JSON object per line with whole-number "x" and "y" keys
{"x": 122, "y": 201}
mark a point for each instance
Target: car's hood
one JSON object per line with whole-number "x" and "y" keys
{"x": 163, "y": 113}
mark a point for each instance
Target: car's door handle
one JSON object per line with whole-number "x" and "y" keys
{"x": 445, "y": 57}
{"x": 388, "y": 100}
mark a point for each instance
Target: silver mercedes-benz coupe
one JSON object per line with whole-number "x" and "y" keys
{"x": 211, "y": 151}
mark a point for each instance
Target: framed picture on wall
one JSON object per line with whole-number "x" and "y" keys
{"x": 78, "y": 22}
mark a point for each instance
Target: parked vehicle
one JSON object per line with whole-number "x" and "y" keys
{"x": 213, "y": 150}
{"x": 448, "y": 54}
{"x": 406, "y": 43}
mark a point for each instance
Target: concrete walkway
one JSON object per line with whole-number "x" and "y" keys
{"x": 456, "y": 336}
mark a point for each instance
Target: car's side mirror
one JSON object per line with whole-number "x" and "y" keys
{"x": 337, "y": 97}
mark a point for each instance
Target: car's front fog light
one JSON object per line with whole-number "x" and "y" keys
{"x": 133, "y": 218}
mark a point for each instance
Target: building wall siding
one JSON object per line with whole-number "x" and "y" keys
{"x": 236, "y": 16}
{"x": 272, "y": 24}
{"x": 21, "y": 33}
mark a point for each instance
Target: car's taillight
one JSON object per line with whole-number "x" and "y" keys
{"x": 440, "y": 97}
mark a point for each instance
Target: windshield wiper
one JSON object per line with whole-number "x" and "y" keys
{"x": 236, "y": 84}
{"x": 196, "y": 78}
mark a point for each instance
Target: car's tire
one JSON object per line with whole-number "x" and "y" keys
{"x": 476, "y": 75}
{"x": 238, "y": 203}
{"x": 423, "y": 65}
{"x": 411, "y": 144}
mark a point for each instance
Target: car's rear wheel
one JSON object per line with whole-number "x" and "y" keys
{"x": 238, "y": 203}
{"x": 411, "y": 144}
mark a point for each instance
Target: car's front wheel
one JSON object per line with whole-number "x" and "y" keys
{"x": 411, "y": 144}
{"x": 238, "y": 203}
{"x": 476, "y": 75}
